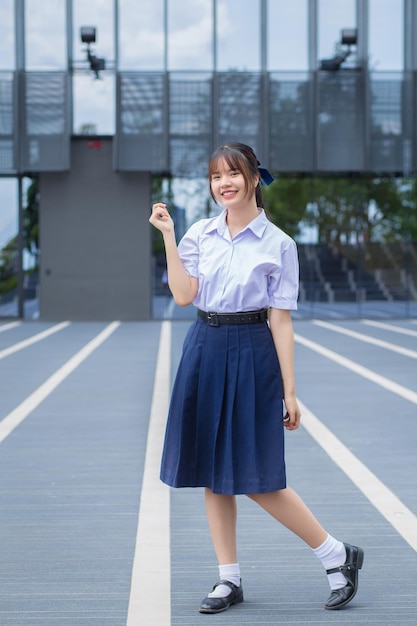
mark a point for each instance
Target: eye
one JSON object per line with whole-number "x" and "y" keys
{"x": 215, "y": 177}
{"x": 235, "y": 173}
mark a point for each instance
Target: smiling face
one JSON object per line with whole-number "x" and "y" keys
{"x": 227, "y": 184}
{"x": 233, "y": 179}
{"x": 234, "y": 176}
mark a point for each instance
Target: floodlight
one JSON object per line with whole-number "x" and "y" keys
{"x": 330, "y": 65}
{"x": 349, "y": 36}
{"x": 88, "y": 34}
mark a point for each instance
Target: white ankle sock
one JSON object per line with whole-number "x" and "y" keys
{"x": 332, "y": 553}
{"x": 230, "y": 572}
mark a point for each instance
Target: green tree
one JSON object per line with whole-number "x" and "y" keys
{"x": 8, "y": 266}
{"x": 341, "y": 204}
{"x": 31, "y": 219}
{"x": 406, "y": 224}
{"x": 344, "y": 209}
{"x": 286, "y": 202}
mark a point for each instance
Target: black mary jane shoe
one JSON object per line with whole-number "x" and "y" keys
{"x": 216, "y": 605}
{"x": 340, "y": 597}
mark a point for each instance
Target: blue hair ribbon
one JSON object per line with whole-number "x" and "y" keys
{"x": 266, "y": 177}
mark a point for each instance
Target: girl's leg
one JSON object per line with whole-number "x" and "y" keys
{"x": 222, "y": 515}
{"x": 288, "y": 508}
{"x": 341, "y": 561}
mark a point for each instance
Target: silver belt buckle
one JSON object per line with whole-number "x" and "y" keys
{"x": 212, "y": 319}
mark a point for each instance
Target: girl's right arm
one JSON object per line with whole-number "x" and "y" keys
{"x": 183, "y": 286}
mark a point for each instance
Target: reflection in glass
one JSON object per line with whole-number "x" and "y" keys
{"x": 190, "y": 34}
{"x": 94, "y": 105}
{"x": 386, "y": 37}
{"x": 141, "y": 35}
{"x": 287, "y": 35}
{"x": 333, "y": 17}
{"x": 8, "y": 247}
{"x": 7, "y": 41}
{"x": 30, "y": 257}
{"x": 45, "y": 35}
{"x": 238, "y": 34}
{"x": 101, "y": 16}
{"x": 94, "y": 99}
{"x": 386, "y": 121}
{"x": 7, "y": 99}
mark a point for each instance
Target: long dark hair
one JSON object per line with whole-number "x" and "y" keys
{"x": 238, "y": 156}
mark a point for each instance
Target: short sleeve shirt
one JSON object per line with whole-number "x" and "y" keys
{"x": 256, "y": 269}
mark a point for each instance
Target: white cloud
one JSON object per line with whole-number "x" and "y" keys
{"x": 190, "y": 28}
{"x": 45, "y": 34}
{"x": 141, "y": 40}
{"x": 95, "y": 104}
{"x": 6, "y": 35}
{"x": 190, "y": 44}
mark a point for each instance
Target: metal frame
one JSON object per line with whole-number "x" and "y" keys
{"x": 263, "y": 91}
{"x": 263, "y": 140}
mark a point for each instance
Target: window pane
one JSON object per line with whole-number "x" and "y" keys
{"x": 287, "y": 35}
{"x": 94, "y": 99}
{"x": 190, "y": 34}
{"x": 333, "y": 17}
{"x": 238, "y": 35}
{"x": 46, "y": 47}
{"x": 8, "y": 247}
{"x": 386, "y": 38}
{"x": 7, "y": 61}
{"x": 141, "y": 35}
{"x": 94, "y": 105}
{"x": 97, "y": 14}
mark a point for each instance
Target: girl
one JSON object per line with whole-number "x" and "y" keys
{"x": 225, "y": 428}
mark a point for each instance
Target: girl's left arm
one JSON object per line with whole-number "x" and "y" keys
{"x": 283, "y": 335}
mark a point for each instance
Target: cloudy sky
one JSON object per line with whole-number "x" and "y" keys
{"x": 190, "y": 27}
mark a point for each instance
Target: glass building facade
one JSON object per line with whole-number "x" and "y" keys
{"x": 183, "y": 76}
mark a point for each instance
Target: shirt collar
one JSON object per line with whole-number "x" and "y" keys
{"x": 257, "y": 225}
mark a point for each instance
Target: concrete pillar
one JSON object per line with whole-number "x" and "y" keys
{"x": 95, "y": 238}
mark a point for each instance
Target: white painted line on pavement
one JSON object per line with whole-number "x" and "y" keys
{"x": 395, "y": 329}
{"x": 16, "y": 417}
{"x": 9, "y": 326}
{"x": 169, "y": 312}
{"x": 404, "y": 392}
{"x": 382, "y": 498}
{"x": 412, "y": 354}
{"x": 28, "y": 342}
{"x": 150, "y": 593}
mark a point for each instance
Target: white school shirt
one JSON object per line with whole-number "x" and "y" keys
{"x": 256, "y": 269}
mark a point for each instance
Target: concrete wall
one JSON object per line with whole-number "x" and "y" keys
{"x": 95, "y": 239}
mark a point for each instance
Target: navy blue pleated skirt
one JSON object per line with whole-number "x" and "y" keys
{"x": 224, "y": 428}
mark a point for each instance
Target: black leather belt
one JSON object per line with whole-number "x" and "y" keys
{"x": 250, "y": 317}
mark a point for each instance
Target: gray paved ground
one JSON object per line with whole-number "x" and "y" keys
{"x": 71, "y": 475}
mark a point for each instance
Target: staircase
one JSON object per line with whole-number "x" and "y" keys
{"x": 346, "y": 274}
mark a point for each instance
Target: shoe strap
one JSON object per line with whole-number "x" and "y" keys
{"x": 228, "y": 583}
{"x": 347, "y": 567}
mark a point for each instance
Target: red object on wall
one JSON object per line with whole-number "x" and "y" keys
{"x": 94, "y": 144}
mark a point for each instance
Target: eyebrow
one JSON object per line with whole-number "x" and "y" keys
{"x": 230, "y": 169}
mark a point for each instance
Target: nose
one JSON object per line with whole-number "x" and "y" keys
{"x": 224, "y": 181}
